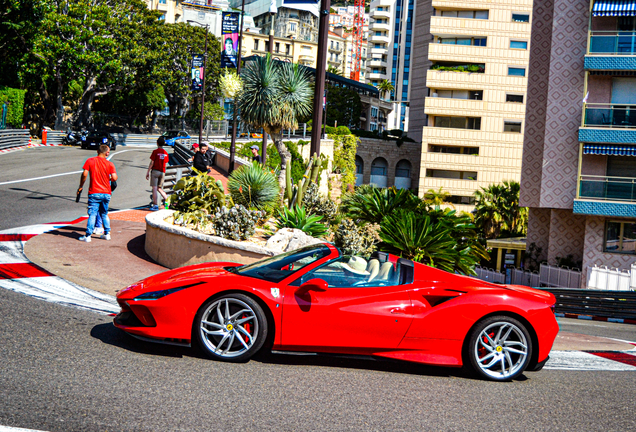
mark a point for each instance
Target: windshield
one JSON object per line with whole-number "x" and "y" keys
{"x": 170, "y": 134}
{"x": 277, "y": 268}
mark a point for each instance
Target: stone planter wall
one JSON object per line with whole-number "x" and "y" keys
{"x": 174, "y": 246}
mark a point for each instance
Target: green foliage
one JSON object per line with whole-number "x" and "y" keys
{"x": 372, "y": 204}
{"x": 532, "y": 258}
{"x": 461, "y": 68}
{"x": 199, "y": 192}
{"x": 14, "y": 98}
{"x": 253, "y": 187}
{"x": 344, "y": 157}
{"x": 497, "y": 211}
{"x": 354, "y": 239}
{"x": 295, "y": 192}
{"x": 366, "y": 134}
{"x": 436, "y": 198}
{"x": 316, "y": 204}
{"x": 432, "y": 240}
{"x": 213, "y": 111}
{"x": 297, "y": 218}
{"x": 236, "y": 223}
{"x": 343, "y": 106}
{"x": 340, "y": 130}
{"x": 385, "y": 86}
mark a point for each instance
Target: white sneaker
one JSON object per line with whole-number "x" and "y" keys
{"x": 105, "y": 237}
{"x": 98, "y": 231}
{"x": 86, "y": 239}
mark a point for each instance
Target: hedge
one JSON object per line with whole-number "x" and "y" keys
{"x": 14, "y": 98}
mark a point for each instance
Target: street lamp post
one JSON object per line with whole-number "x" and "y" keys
{"x": 205, "y": 73}
{"x": 238, "y": 72}
{"x": 272, "y": 13}
{"x": 321, "y": 67}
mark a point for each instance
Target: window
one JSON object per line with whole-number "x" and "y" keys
{"x": 513, "y": 71}
{"x": 468, "y": 14}
{"x": 374, "y": 111}
{"x": 519, "y": 45}
{"x": 459, "y": 94}
{"x": 292, "y": 27}
{"x": 459, "y": 199}
{"x": 256, "y": 41}
{"x": 514, "y": 98}
{"x": 373, "y": 127}
{"x": 448, "y": 174}
{"x": 287, "y": 49}
{"x": 162, "y": 1}
{"x": 453, "y": 149}
{"x": 458, "y": 122}
{"x": 512, "y": 126}
{"x": 277, "y": 47}
{"x": 620, "y": 237}
{"x": 520, "y": 17}
{"x": 478, "y": 41}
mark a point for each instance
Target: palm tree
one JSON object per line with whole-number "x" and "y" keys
{"x": 436, "y": 198}
{"x": 497, "y": 210}
{"x": 385, "y": 87}
{"x": 334, "y": 70}
{"x": 274, "y": 96}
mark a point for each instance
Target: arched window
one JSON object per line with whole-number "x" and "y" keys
{"x": 379, "y": 167}
{"x": 359, "y": 165}
{"x": 403, "y": 169}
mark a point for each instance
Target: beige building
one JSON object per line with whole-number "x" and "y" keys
{"x": 285, "y": 49}
{"x": 470, "y": 99}
{"x": 171, "y": 9}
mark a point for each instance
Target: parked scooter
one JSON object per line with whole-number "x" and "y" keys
{"x": 74, "y": 138}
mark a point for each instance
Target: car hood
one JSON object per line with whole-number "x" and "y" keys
{"x": 181, "y": 276}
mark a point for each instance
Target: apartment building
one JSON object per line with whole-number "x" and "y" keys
{"x": 284, "y": 49}
{"x": 171, "y": 9}
{"x": 468, "y": 94}
{"x": 297, "y": 20}
{"x": 390, "y": 45}
{"x": 579, "y": 172}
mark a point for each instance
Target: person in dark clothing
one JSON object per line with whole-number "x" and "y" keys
{"x": 256, "y": 157}
{"x": 202, "y": 160}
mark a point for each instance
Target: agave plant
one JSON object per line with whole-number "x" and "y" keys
{"x": 372, "y": 204}
{"x": 296, "y": 217}
{"x": 253, "y": 187}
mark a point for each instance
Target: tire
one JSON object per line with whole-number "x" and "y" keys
{"x": 231, "y": 328}
{"x": 499, "y": 348}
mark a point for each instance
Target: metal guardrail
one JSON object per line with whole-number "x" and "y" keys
{"x": 10, "y": 138}
{"x": 173, "y": 175}
{"x": 611, "y": 304}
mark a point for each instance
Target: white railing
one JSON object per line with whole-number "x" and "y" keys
{"x": 523, "y": 277}
{"x": 490, "y": 275}
{"x": 603, "y": 278}
{"x": 563, "y": 277}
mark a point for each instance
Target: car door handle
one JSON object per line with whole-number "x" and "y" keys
{"x": 398, "y": 310}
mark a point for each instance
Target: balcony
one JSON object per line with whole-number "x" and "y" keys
{"x": 374, "y": 62}
{"x": 380, "y": 13}
{"x": 335, "y": 48}
{"x": 608, "y": 123}
{"x": 379, "y": 38}
{"x": 379, "y": 26}
{"x": 606, "y": 196}
{"x": 611, "y": 50}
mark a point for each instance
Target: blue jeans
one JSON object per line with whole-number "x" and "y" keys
{"x": 98, "y": 206}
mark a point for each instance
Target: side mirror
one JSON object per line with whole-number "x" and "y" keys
{"x": 315, "y": 284}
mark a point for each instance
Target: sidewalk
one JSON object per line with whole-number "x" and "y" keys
{"x": 109, "y": 266}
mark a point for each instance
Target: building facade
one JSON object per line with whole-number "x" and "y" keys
{"x": 171, "y": 9}
{"x": 390, "y": 46}
{"x": 579, "y": 171}
{"x": 469, "y": 98}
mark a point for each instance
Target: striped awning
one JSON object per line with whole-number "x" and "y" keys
{"x": 611, "y": 150}
{"x": 614, "y": 8}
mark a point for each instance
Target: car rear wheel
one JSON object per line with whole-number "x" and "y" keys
{"x": 231, "y": 328}
{"x": 499, "y": 348}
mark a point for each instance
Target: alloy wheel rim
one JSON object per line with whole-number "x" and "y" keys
{"x": 501, "y": 350}
{"x": 229, "y": 327}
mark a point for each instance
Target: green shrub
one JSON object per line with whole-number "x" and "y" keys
{"x": 353, "y": 239}
{"x": 344, "y": 157}
{"x": 14, "y": 98}
{"x": 236, "y": 223}
{"x": 253, "y": 187}
{"x": 297, "y": 218}
{"x": 372, "y": 204}
{"x": 316, "y": 204}
{"x": 199, "y": 192}
{"x": 343, "y": 130}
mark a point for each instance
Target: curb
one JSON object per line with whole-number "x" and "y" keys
{"x": 596, "y": 318}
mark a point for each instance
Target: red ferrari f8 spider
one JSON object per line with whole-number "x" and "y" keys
{"x": 316, "y": 299}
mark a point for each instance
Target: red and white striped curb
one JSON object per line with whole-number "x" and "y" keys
{"x": 19, "y": 274}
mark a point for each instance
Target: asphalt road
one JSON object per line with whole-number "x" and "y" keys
{"x": 63, "y": 369}
{"x": 38, "y": 185}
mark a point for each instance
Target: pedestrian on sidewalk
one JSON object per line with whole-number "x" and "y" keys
{"x": 102, "y": 172}
{"x": 202, "y": 161}
{"x": 157, "y": 172}
{"x": 255, "y": 156}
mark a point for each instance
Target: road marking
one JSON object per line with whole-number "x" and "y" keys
{"x": 15, "y": 429}
{"x": 57, "y": 175}
{"x": 584, "y": 361}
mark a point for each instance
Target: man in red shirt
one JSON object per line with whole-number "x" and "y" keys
{"x": 102, "y": 171}
{"x": 157, "y": 172}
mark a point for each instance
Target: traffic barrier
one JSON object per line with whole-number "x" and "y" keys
{"x": 11, "y": 138}
{"x": 596, "y": 303}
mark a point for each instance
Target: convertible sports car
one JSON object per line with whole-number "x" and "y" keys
{"x": 315, "y": 299}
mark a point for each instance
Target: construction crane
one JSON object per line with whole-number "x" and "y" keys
{"x": 356, "y": 47}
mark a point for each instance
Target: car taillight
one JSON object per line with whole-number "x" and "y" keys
{"x": 553, "y": 308}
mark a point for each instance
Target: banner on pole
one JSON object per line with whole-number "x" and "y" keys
{"x": 230, "y": 34}
{"x": 197, "y": 72}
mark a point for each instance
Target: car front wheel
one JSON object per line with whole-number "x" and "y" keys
{"x": 499, "y": 348}
{"x": 231, "y": 328}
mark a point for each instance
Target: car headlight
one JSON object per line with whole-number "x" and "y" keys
{"x": 156, "y": 295}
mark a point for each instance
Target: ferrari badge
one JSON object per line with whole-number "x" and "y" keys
{"x": 275, "y": 292}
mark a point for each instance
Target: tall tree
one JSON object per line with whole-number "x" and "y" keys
{"x": 343, "y": 106}
{"x": 497, "y": 211}
{"x": 385, "y": 87}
